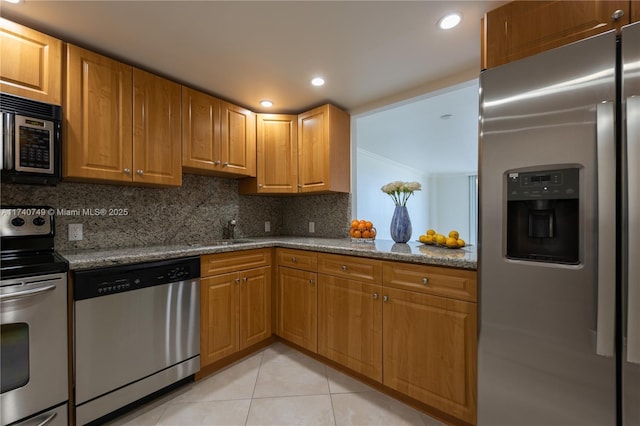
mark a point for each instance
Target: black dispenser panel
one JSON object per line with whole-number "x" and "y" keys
{"x": 543, "y": 215}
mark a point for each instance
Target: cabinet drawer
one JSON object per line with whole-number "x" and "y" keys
{"x": 456, "y": 283}
{"x": 356, "y": 268}
{"x": 222, "y": 263}
{"x": 297, "y": 259}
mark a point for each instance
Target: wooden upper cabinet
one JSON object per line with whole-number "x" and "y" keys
{"x": 277, "y": 150}
{"x": 156, "y": 130}
{"x": 98, "y": 137}
{"x": 200, "y": 130}
{"x": 524, "y": 28}
{"x": 238, "y": 140}
{"x": 31, "y": 63}
{"x": 122, "y": 124}
{"x": 309, "y": 152}
{"x": 324, "y": 150}
{"x": 218, "y": 138}
{"x": 635, "y": 10}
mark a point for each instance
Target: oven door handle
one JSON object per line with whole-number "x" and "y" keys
{"x": 27, "y": 293}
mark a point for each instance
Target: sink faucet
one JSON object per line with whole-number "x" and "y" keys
{"x": 231, "y": 226}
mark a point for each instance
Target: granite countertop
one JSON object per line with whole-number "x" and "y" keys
{"x": 465, "y": 258}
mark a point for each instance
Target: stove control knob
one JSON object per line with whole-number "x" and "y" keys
{"x": 39, "y": 221}
{"x": 17, "y": 221}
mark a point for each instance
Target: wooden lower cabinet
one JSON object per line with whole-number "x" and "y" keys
{"x": 350, "y": 324}
{"x": 297, "y": 307}
{"x": 429, "y": 350}
{"x": 235, "y": 312}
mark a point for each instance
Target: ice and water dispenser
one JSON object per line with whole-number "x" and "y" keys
{"x": 543, "y": 215}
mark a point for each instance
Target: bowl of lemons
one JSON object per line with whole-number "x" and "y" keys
{"x": 452, "y": 240}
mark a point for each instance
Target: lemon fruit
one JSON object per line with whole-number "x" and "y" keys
{"x": 460, "y": 242}
{"x": 454, "y": 234}
{"x": 423, "y": 238}
{"x": 428, "y": 239}
{"x": 440, "y": 239}
{"x": 451, "y": 242}
{"x": 431, "y": 232}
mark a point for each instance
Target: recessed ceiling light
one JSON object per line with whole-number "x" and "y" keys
{"x": 318, "y": 81}
{"x": 266, "y": 103}
{"x": 449, "y": 21}
{"x": 13, "y": 1}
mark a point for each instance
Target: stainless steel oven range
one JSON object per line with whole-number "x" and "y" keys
{"x": 33, "y": 314}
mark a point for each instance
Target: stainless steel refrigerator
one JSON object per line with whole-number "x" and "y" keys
{"x": 559, "y": 252}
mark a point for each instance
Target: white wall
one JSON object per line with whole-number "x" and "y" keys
{"x": 374, "y": 171}
{"x": 449, "y": 205}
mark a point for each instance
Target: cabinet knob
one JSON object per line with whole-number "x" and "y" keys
{"x": 140, "y": 172}
{"x": 385, "y": 298}
{"x": 127, "y": 171}
{"x": 299, "y": 185}
{"x": 617, "y": 14}
{"x": 225, "y": 164}
{"x": 311, "y": 282}
{"x": 344, "y": 268}
{"x": 217, "y": 162}
{"x": 375, "y": 296}
{"x": 293, "y": 259}
{"x": 245, "y": 279}
{"x": 425, "y": 280}
{"x": 259, "y": 185}
{"x": 237, "y": 280}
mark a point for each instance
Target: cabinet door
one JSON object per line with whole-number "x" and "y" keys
{"x": 218, "y": 317}
{"x": 635, "y": 10}
{"x": 238, "y": 140}
{"x": 297, "y": 307}
{"x": 430, "y": 350}
{"x": 97, "y": 105}
{"x": 31, "y": 63}
{"x": 324, "y": 150}
{"x": 277, "y": 162}
{"x": 156, "y": 130}
{"x": 255, "y": 306}
{"x": 200, "y": 131}
{"x": 523, "y": 28}
{"x": 350, "y": 324}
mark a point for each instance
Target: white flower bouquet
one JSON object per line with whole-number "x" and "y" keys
{"x": 401, "y": 191}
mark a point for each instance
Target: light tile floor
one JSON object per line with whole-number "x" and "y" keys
{"x": 277, "y": 386}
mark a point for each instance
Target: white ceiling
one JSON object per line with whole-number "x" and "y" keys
{"x": 372, "y": 54}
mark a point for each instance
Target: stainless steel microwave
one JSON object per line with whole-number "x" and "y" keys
{"x": 31, "y": 141}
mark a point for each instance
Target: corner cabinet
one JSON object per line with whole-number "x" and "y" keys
{"x": 235, "y": 302}
{"x": 523, "y": 28}
{"x": 122, "y": 124}
{"x": 218, "y": 138}
{"x": 307, "y": 153}
{"x": 31, "y": 63}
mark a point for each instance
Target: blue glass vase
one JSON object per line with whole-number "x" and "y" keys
{"x": 401, "y": 225}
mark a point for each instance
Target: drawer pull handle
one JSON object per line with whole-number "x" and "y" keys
{"x": 425, "y": 280}
{"x": 293, "y": 259}
{"x": 617, "y": 15}
{"x": 237, "y": 280}
{"x": 310, "y": 282}
{"x": 344, "y": 268}
{"x": 385, "y": 298}
{"x": 375, "y": 296}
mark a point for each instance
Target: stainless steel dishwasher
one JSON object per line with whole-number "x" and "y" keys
{"x": 137, "y": 331}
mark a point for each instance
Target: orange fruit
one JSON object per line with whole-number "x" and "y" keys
{"x": 362, "y": 226}
{"x": 366, "y": 234}
{"x": 372, "y": 233}
{"x": 368, "y": 224}
{"x": 351, "y": 232}
{"x": 354, "y": 223}
{"x": 357, "y": 234}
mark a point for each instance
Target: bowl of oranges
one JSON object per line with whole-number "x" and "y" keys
{"x": 452, "y": 241}
{"x": 362, "y": 231}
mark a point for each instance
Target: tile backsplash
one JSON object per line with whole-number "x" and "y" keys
{"x": 120, "y": 216}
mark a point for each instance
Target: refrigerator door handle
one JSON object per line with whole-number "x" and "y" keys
{"x": 633, "y": 239}
{"x": 606, "y": 164}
